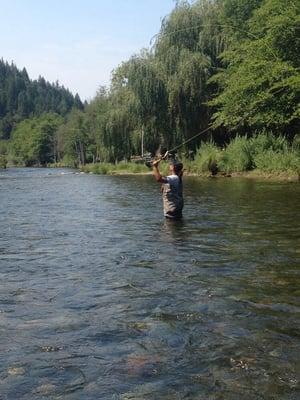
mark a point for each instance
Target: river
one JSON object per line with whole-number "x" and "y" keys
{"x": 101, "y": 298}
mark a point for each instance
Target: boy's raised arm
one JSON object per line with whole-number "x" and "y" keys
{"x": 156, "y": 173}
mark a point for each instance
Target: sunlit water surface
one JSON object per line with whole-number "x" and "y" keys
{"x": 101, "y": 298}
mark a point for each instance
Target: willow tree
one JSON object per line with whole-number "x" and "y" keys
{"x": 187, "y": 47}
{"x": 141, "y": 78}
{"x": 96, "y": 116}
{"x": 119, "y": 125}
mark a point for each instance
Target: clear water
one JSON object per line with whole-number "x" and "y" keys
{"x": 101, "y": 298}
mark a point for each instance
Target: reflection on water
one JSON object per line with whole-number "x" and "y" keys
{"x": 101, "y": 298}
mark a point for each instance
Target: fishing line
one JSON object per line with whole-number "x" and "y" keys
{"x": 190, "y": 139}
{"x": 163, "y": 157}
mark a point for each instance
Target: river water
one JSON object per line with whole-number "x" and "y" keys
{"x": 101, "y": 298}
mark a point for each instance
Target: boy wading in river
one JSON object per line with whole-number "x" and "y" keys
{"x": 171, "y": 188}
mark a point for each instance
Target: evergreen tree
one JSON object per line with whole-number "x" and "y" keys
{"x": 21, "y": 97}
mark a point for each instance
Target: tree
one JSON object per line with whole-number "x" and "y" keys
{"x": 261, "y": 85}
{"x": 21, "y": 97}
{"x": 33, "y": 140}
{"x": 75, "y": 137}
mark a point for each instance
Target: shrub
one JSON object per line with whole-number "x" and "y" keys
{"x": 109, "y": 168}
{"x": 275, "y": 161}
{"x": 206, "y": 159}
{"x": 237, "y": 156}
{"x": 69, "y": 161}
{"x": 274, "y": 154}
{"x": 263, "y": 142}
{"x": 3, "y": 162}
{"x": 296, "y": 143}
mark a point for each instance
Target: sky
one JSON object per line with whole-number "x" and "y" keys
{"x": 77, "y": 42}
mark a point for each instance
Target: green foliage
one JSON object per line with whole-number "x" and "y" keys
{"x": 139, "y": 92}
{"x": 261, "y": 85}
{"x": 3, "y": 147}
{"x": 296, "y": 143}
{"x": 21, "y": 97}
{"x": 3, "y": 162}
{"x": 275, "y": 161}
{"x": 237, "y": 156}
{"x": 69, "y": 161}
{"x": 72, "y": 141}
{"x": 266, "y": 141}
{"x": 118, "y": 168}
{"x": 187, "y": 49}
{"x": 265, "y": 152}
{"x": 99, "y": 168}
{"x": 33, "y": 140}
{"x": 236, "y": 15}
{"x": 274, "y": 154}
{"x": 206, "y": 159}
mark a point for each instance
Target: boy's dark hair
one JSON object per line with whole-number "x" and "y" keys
{"x": 178, "y": 167}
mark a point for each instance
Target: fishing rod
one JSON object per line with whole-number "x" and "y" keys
{"x": 190, "y": 139}
{"x": 168, "y": 152}
{"x": 173, "y": 149}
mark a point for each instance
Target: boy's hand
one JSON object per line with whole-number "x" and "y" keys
{"x": 155, "y": 163}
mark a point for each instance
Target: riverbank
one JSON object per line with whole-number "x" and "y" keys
{"x": 140, "y": 169}
{"x": 256, "y": 174}
{"x": 263, "y": 156}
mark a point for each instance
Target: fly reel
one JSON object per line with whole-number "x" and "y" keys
{"x": 167, "y": 156}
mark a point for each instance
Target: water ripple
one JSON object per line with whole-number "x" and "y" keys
{"x": 102, "y": 298}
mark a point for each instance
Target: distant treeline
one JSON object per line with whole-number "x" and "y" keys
{"x": 228, "y": 66}
{"x": 21, "y": 97}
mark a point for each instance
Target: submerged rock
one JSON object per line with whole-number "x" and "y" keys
{"x": 16, "y": 371}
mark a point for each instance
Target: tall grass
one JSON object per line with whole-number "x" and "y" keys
{"x": 296, "y": 143}
{"x": 206, "y": 159}
{"x": 111, "y": 169}
{"x": 3, "y": 162}
{"x": 3, "y": 153}
{"x": 264, "y": 152}
{"x": 275, "y": 161}
{"x": 237, "y": 156}
{"x": 274, "y": 154}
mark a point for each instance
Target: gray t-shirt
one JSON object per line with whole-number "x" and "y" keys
{"x": 172, "y": 196}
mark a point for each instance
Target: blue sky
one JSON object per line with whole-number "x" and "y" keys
{"x": 77, "y": 42}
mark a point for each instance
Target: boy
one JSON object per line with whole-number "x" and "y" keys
{"x": 171, "y": 188}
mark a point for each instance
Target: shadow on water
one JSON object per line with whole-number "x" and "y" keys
{"x": 101, "y": 297}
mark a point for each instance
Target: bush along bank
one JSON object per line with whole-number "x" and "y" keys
{"x": 3, "y": 162}
{"x": 115, "y": 169}
{"x": 261, "y": 155}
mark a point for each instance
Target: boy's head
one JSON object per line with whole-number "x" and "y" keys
{"x": 175, "y": 166}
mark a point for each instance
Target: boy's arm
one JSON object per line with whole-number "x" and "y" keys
{"x": 156, "y": 173}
